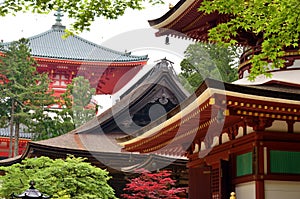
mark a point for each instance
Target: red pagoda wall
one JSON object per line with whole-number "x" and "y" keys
{"x": 4, "y": 146}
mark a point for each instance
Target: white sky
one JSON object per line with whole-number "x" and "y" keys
{"x": 130, "y": 32}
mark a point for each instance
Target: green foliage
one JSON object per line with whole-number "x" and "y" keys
{"x": 23, "y": 90}
{"x": 276, "y": 21}
{"x": 80, "y": 93}
{"x": 25, "y": 97}
{"x": 76, "y": 111}
{"x": 63, "y": 179}
{"x": 208, "y": 61}
{"x": 51, "y": 123}
{"x": 83, "y": 12}
{"x": 24, "y": 83}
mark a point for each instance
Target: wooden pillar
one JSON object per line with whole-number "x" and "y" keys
{"x": 259, "y": 189}
{"x": 259, "y": 171}
{"x": 290, "y": 124}
{"x": 199, "y": 182}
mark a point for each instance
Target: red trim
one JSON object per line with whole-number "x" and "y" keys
{"x": 91, "y": 63}
{"x": 4, "y": 146}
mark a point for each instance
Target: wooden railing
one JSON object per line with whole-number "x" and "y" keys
{"x": 245, "y": 64}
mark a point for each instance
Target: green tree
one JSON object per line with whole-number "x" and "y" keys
{"x": 25, "y": 90}
{"x": 204, "y": 60}
{"x": 81, "y": 94}
{"x": 63, "y": 179}
{"x": 83, "y": 12}
{"x": 75, "y": 111}
{"x": 275, "y": 21}
{"x": 51, "y": 123}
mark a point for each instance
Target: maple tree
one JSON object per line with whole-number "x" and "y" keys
{"x": 152, "y": 185}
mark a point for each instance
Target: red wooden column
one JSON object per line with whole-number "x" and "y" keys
{"x": 199, "y": 182}
{"x": 258, "y": 160}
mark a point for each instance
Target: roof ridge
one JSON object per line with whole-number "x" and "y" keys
{"x": 108, "y": 49}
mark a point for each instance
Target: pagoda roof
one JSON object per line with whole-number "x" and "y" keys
{"x": 185, "y": 20}
{"x": 52, "y": 44}
{"x": 139, "y": 94}
{"x": 96, "y": 135}
{"x": 199, "y": 117}
{"x": 97, "y": 130}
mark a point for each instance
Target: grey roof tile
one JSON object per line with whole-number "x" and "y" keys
{"x": 51, "y": 44}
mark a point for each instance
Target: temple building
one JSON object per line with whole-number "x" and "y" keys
{"x": 154, "y": 95}
{"x": 24, "y": 138}
{"x": 238, "y": 137}
{"x": 66, "y": 58}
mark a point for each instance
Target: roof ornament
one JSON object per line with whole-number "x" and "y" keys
{"x": 58, "y": 25}
{"x": 163, "y": 64}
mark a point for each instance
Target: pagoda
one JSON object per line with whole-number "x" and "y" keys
{"x": 66, "y": 58}
{"x": 240, "y": 137}
{"x": 154, "y": 94}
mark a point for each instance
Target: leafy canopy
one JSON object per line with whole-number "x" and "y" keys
{"x": 208, "y": 61}
{"x": 63, "y": 179}
{"x": 276, "y": 20}
{"x": 83, "y": 12}
{"x": 81, "y": 93}
{"x": 23, "y": 91}
{"x": 77, "y": 109}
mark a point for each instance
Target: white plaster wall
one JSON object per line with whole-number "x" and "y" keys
{"x": 278, "y": 126}
{"x": 245, "y": 190}
{"x": 282, "y": 189}
{"x": 297, "y": 127}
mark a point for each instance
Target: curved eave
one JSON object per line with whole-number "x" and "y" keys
{"x": 117, "y": 61}
{"x": 88, "y": 62}
{"x": 171, "y": 15}
{"x": 177, "y": 130}
{"x": 185, "y": 21}
{"x": 184, "y": 123}
{"x": 134, "y": 98}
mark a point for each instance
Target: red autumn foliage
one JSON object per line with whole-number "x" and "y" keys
{"x": 152, "y": 186}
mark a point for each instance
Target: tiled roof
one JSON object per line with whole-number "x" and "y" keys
{"x": 51, "y": 44}
{"x": 5, "y": 132}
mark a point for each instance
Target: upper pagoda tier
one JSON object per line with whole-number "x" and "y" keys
{"x": 186, "y": 21}
{"x": 65, "y": 58}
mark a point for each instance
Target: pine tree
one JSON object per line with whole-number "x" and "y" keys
{"x": 24, "y": 92}
{"x": 81, "y": 95}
